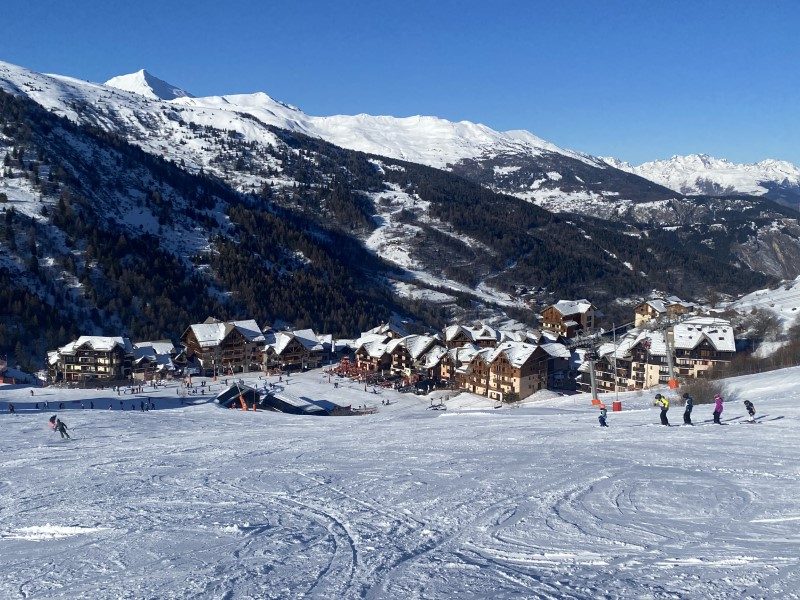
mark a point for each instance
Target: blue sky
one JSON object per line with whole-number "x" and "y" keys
{"x": 634, "y": 79}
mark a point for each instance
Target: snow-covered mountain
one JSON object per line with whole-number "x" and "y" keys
{"x": 160, "y": 118}
{"x": 700, "y": 174}
{"x": 145, "y": 84}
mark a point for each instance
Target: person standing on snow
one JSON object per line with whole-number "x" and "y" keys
{"x": 718, "y": 406}
{"x": 751, "y": 410}
{"x": 61, "y": 427}
{"x": 687, "y": 413}
{"x": 663, "y": 402}
{"x": 602, "y": 416}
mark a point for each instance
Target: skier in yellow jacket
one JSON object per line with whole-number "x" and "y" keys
{"x": 663, "y": 402}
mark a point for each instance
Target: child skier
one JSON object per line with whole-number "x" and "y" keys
{"x": 718, "y": 406}
{"x": 663, "y": 402}
{"x": 602, "y": 416}
{"x": 751, "y": 410}
{"x": 687, "y": 413}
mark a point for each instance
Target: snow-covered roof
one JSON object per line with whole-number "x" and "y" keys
{"x": 515, "y": 352}
{"x": 391, "y": 329}
{"x": 432, "y": 358}
{"x": 556, "y": 350}
{"x": 366, "y": 338}
{"x": 573, "y": 307}
{"x": 280, "y": 340}
{"x": 212, "y": 332}
{"x": 98, "y": 342}
{"x": 479, "y": 332}
{"x": 719, "y": 332}
{"x": 374, "y": 349}
{"x": 158, "y": 346}
{"x": 657, "y": 305}
{"x": 416, "y": 345}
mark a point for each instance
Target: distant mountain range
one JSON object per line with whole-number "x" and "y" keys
{"x": 700, "y": 174}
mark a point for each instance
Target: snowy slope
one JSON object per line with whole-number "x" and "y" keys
{"x": 145, "y": 84}
{"x": 783, "y": 302}
{"x": 703, "y": 174}
{"x": 531, "y": 502}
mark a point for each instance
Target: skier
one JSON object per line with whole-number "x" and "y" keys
{"x": 687, "y": 413}
{"x": 718, "y": 409}
{"x": 751, "y": 410}
{"x": 61, "y": 427}
{"x": 11, "y": 408}
{"x": 141, "y": 405}
{"x": 663, "y": 402}
{"x": 602, "y": 416}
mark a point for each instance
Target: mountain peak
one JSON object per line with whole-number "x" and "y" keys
{"x": 146, "y": 84}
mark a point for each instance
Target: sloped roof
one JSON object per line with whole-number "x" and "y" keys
{"x": 374, "y": 349}
{"x": 657, "y": 305}
{"x": 572, "y": 307}
{"x": 433, "y": 357}
{"x": 98, "y": 342}
{"x": 158, "y": 346}
{"x": 556, "y": 350}
{"x": 212, "y": 332}
{"x": 515, "y": 352}
{"x": 719, "y": 332}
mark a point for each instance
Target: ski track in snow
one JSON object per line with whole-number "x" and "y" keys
{"x": 534, "y": 502}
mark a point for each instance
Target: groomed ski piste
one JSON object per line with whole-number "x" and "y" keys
{"x": 535, "y": 501}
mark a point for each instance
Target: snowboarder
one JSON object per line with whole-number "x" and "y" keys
{"x": 663, "y": 402}
{"x": 751, "y": 410}
{"x": 602, "y": 416}
{"x": 718, "y": 406}
{"x": 61, "y": 427}
{"x": 687, "y": 413}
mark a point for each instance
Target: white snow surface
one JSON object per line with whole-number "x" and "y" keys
{"x": 783, "y": 302}
{"x": 534, "y": 501}
{"x": 690, "y": 174}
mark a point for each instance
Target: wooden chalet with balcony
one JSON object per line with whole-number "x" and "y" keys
{"x": 568, "y": 318}
{"x": 92, "y": 358}
{"x": 221, "y": 347}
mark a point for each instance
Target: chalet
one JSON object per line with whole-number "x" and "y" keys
{"x": 289, "y": 350}
{"x": 224, "y": 346}
{"x": 569, "y": 317}
{"x": 453, "y": 365}
{"x": 481, "y": 335}
{"x": 649, "y": 310}
{"x": 92, "y": 358}
{"x": 511, "y": 371}
{"x": 153, "y": 360}
{"x": 702, "y": 343}
{"x": 430, "y": 365}
{"x": 660, "y": 308}
{"x": 371, "y": 356}
{"x": 406, "y": 351}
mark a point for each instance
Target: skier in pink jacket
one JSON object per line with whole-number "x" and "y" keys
{"x": 717, "y": 408}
